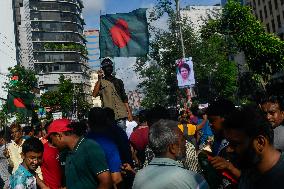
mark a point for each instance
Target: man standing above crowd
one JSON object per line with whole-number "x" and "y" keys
{"x": 164, "y": 171}
{"x": 112, "y": 93}
{"x": 273, "y": 108}
{"x": 250, "y": 136}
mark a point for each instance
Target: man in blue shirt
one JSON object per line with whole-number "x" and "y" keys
{"x": 25, "y": 176}
{"x": 99, "y": 133}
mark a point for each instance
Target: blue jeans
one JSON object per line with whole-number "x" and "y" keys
{"x": 121, "y": 123}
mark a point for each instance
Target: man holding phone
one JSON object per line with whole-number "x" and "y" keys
{"x": 112, "y": 93}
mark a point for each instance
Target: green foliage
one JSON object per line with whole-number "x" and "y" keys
{"x": 62, "y": 99}
{"x": 27, "y": 80}
{"x": 216, "y": 76}
{"x": 66, "y": 47}
{"x": 264, "y": 52}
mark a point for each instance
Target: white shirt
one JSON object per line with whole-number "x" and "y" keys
{"x": 129, "y": 127}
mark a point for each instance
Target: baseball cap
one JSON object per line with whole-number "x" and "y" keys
{"x": 59, "y": 125}
{"x": 106, "y": 62}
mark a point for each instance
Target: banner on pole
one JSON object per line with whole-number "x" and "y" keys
{"x": 185, "y": 73}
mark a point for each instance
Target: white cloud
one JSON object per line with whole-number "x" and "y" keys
{"x": 125, "y": 70}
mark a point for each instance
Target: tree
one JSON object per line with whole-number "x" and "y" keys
{"x": 214, "y": 72}
{"x": 264, "y": 52}
{"x": 24, "y": 79}
{"x": 64, "y": 98}
{"x": 20, "y": 80}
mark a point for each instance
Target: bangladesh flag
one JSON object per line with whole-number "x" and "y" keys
{"x": 20, "y": 102}
{"x": 124, "y": 34}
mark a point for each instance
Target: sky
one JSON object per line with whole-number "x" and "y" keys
{"x": 91, "y": 13}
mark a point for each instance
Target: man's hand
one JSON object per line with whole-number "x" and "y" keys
{"x": 100, "y": 74}
{"x": 126, "y": 168}
{"x": 222, "y": 164}
{"x": 130, "y": 118}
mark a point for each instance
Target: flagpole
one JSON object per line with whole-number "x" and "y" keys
{"x": 180, "y": 27}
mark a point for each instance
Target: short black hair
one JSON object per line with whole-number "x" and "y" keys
{"x": 97, "y": 118}
{"x": 142, "y": 116}
{"x": 184, "y": 65}
{"x": 221, "y": 107}
{"x": 275, "y": 100}
{"x": 251, "y": 121}
{"x": 32, "y": 144}
{"x": 28, "y": 129}
{"x": 155, "y": 114}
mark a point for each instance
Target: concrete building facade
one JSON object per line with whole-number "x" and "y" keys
{"x": 270, "y": 13}
{"x": 53, "y": 42}
{"x": 197, "y": 15}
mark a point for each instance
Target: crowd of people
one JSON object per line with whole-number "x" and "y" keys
{"x": 220, "y": 147}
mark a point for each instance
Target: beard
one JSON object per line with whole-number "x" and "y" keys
{"x": 250, "y": 159}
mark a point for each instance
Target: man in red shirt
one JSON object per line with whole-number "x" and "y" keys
{"x": 51, "y": 169}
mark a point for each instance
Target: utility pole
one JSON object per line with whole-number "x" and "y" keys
{"x": 180, "y": 27}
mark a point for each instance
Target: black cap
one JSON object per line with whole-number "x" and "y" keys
{"x": 106, "y": 62}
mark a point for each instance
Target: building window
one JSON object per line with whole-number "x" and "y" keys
{"x": 265, "y": 12}
{"x": 260, "y": 15}
{"x": 268, "y": 28}
{"x": 279, "y": 21}
{"x": 276, "y": 4}
{"x": 56, "y": 68}
{"x": 273, "y": 25}
{"x": 270, "y": 7}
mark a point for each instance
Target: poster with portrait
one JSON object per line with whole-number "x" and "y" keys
{"x": 185, "y": 73}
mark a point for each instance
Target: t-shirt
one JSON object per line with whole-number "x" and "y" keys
{"x": 278, "y": 138}
{"x": 206, "y": 131}
{"x": 110, "y": 150}
{"x": 140, "y": 138}
{"x": 22, "y": 179}
{"x": 250, "y": 179}
{"x": 119, "y": 137}
{"x": 15, "y": 151}
{"x": 165, "y": 173}
{"x": 51, "y": 168}
{"x": 129, "y": 127}
{"x": 84, "y": 164}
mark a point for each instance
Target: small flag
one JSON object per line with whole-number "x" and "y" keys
{"x": 124, "y": 34}
{"x": 20, "y": 102}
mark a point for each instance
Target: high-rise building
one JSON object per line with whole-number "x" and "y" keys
{"x": 270, "y": 13}
{"x": 53, "y": 43}
{"x": 8, "y": 40}
{"x": 93, "y": 48}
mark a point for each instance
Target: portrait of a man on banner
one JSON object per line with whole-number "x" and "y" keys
{"x": 185, "y": 72}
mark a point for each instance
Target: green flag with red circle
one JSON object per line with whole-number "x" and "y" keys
{"x": 124, "y": 34}
{"x": 20, "y": 102}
